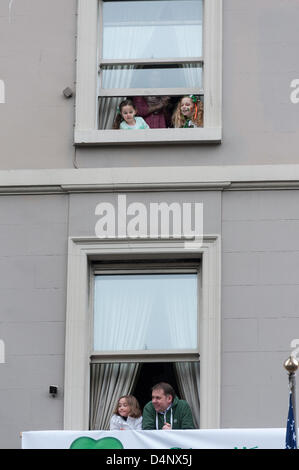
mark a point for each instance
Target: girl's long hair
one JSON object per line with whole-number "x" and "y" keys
{"x": 135, "y": 411}
{"x": 119, "y": 118}
{"x": 178, "y": 120}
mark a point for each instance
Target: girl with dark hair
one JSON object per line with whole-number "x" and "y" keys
{"x": 126, "y": 117}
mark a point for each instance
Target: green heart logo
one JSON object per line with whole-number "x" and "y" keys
{"x": 89, "y": 443}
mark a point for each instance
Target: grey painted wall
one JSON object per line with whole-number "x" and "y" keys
{"x": 260, "y": 301}
{"x": 82, "y": 218}
{"x": 33, "y": 234}
{"x": 259, "y": 229}
{"x": 37, "y": 61}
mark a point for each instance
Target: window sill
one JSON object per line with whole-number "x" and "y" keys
{"x": 147, "y": 136}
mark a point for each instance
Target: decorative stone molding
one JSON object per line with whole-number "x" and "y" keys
{"x": 83, "y": 250}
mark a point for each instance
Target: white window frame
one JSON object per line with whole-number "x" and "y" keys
{"x": 81, "y": 251}
{"x": 86, "y": 131}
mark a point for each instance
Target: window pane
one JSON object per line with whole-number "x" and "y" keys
{"x": 120, "y": 378}
{"x": 152, "y": 29}
{"x": 108, "y": 110}
{"x": 145, "y": 311}
{"x": 132, "y": 76}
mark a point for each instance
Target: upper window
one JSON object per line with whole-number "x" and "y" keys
{"x": 138, "y": 29}
{"x": 151, "y": 53}
{"x": 157, "y": 66}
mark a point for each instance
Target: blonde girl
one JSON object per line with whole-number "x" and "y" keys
{"x": 188, "y": 113}
{"x": 127, "y": 414}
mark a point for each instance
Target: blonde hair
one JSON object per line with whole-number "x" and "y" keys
{"x": 135, "y": 411}
{"x": 178, "y": 120}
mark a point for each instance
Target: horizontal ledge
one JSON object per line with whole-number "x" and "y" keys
{"x": 166, "y": 61}
{"x": 86, "y": 242}
{"x": 127, "y": 92}
{"x": 148, "y": 187}
{"x": 149, "y": 356}
{"x": 104, "y": 249}
{"x": 145, "y": 187}
{"x": 31, "y": 189}
{"x": 147, "y": 136}
{"x": 113, "y": 188}
{"x": 141, "y": 179}
{"x": 263, "y": 185}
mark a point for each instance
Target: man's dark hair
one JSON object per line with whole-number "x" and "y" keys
{"x": 167, "y": 388}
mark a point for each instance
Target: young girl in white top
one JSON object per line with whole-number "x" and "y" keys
{"x": 127, "y": 414}
{"x": 126, "y": 117}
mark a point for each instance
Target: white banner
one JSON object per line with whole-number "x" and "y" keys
{"x": 182, "y": 439}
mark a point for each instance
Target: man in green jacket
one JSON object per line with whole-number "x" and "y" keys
{"x": 166, "y": 411}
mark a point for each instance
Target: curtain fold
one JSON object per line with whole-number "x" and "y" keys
{"x": 121, "y": 314}
{"x": 121, "y": 317}
{"x": 181, "y": 311}
{"x": 143, "y": 30}
{"x": 113, "y": 79}
{"x": 182, "y": 317}
{"x": 108, "y": 383}
{"x": 187, "y": 374}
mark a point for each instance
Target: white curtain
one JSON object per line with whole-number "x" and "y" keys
{"x": 121, "y": 313}
{"x": 152, "y": 29}
{"x": 121, "y": 317}
{"x": 181, "y": 311}
{"x": 119, "y": 42}
{"x": 126, "y": 42}
{"x": 182, "y": 316}
{"x": 118, "y": 76}
{"x": 185, "y": 39}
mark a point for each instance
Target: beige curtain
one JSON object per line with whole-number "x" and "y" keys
{"x": 117, "y": 76}
{"x": 107, "y": 112}
{"x": 188, "y": 381}
{"x": 108, "y": 383}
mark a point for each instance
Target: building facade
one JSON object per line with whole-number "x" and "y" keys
{"x": 167, "y": 253}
